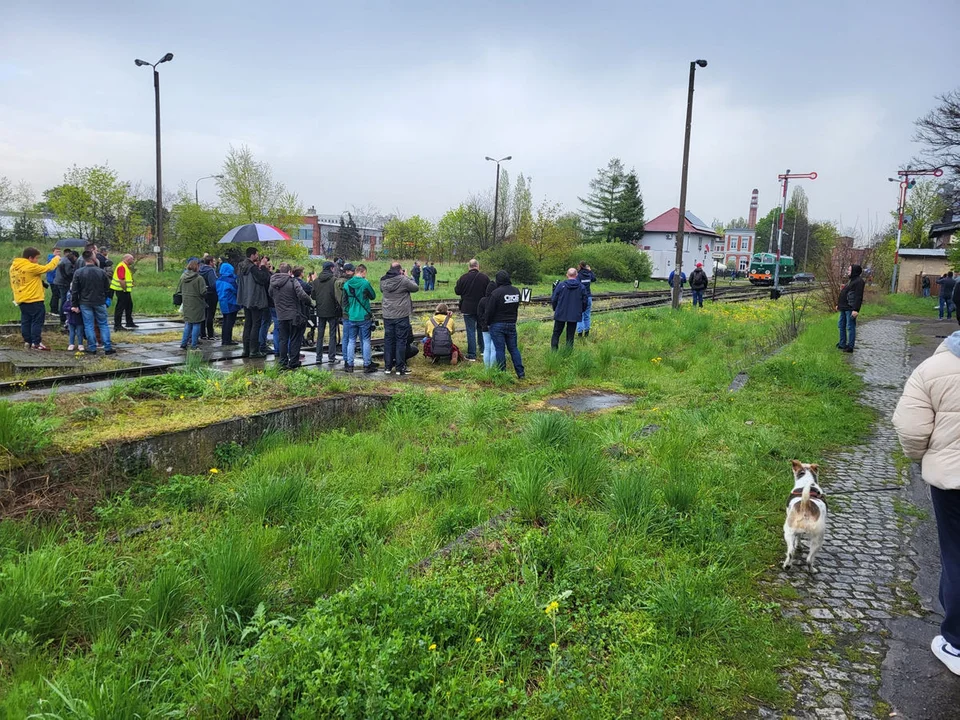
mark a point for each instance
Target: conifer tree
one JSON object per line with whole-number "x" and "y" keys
{"x": 629, "y": 211}
{"x": 600, "y": 206}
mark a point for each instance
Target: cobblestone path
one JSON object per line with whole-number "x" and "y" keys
{"x": 864, "y": 567}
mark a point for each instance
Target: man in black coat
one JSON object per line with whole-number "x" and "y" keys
{"x": 698, "y": 283}
{"x": 848, "y": 305}
{"x": 471, "y": 287}
{"x": 569, "y": 302}
{"x": 328, "y": 311}
{"x": 502, "y": 309}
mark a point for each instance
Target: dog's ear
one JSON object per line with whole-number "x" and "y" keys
{"x": 796, "y": 465}
{"x": 815, "y": 468}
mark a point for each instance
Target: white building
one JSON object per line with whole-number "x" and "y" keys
{"x": 659, "y": 242}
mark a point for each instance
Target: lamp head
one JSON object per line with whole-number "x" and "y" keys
{"x": 166, "y": 58}
{"x": 702, "y": 63}
{"x": 140, "y": 63}
{"x": 489, "y": 158}
{"x": 509, "y": 157}
{"x": 219, "y": 177}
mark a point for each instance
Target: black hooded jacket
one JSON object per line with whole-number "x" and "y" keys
{"x": 504, "y": 302}
{"x": 325, "y": 295}
{"x": 851, "y": 294}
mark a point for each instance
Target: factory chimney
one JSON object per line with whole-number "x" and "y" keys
{"x": 752, "y": 222}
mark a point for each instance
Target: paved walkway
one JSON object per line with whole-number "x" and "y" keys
{"x": 866, "y": 569}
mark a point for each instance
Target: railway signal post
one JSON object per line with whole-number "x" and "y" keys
{"x": 717, "y": 256}
{"x": 784, "y": 179}
{"x": 905, "y": 184}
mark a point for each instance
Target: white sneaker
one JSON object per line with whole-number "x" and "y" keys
{"x": 387, "y": 372}
{"x": 70, "y": 348}
{"x": 947, "y": 654}
{"x": 79, "y": 348}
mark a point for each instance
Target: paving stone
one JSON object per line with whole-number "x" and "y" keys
{"x": 864, "y": 558}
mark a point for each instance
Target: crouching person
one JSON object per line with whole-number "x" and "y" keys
{"x": 439, "y": 344}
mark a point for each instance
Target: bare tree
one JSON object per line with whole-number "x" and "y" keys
{"x": 939, "y": 132}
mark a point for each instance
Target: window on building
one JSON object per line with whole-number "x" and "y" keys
{"x": 744, "y": 263}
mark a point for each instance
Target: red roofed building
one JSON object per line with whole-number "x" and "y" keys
{"x": 659, "y": 242}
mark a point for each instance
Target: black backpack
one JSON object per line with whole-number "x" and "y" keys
{"x": 442, "y": 342}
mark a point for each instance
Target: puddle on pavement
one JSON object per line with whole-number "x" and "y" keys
{"x": 590, "y": 402}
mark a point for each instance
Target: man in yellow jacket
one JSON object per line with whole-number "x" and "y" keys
{"x": 26, "y": 279}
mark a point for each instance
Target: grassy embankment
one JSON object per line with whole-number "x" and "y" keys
{"x": 626, "y": 584}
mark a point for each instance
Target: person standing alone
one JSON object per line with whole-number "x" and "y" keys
{"x": 396, "y": 289}
{"x": 698, "y": 283}
{"x": 471, "y": 287}
{"x": 927, "y": 421}
{"x": 848, "y": 305}
{"x": 26, "y": 281}
{"x": 122, "y": 286}
{"x": 569, "y": 303}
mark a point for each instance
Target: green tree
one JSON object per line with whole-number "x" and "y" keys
{"x": 91, "y": 203}
{"x": 925, "y": 206}
{"x": 348, "y": 243}
{"x": 408, "y": 238}
{"x": 249, "y": 192}
{"x": 522, "y": 212}
{"x": 194, "y": 229}
{"x": 628, "y": 212}
{"x": 764, "y": 226}
{"x": 549, "y": 238}
{"x": 600, "y": 206}
{"x": 503, "y": 213}
{"x": 452, "y": 235}
{"x": 26, "y": 230}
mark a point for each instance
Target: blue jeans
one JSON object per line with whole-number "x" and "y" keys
{"x": 489, "y": 351}
{"x": 697, "y": 298}
{"x": 848, "y": 329}
{"x": 264, "y": 329}
{"x": 584, "y": 323}
{"x": 474, "y": 339}
{"x": 926, "y": 292}
{"x": 76, "y": 334}
{"x": 98, "y": 313}
{"x": 32, "y": 315}
{"x": 946, "y": 304}
{"x": 351, "y": 331}
{"x": 504, "y": 336}
{"x": 191, "y": 333}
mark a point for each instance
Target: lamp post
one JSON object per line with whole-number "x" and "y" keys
{"x": 196, "y": 185}
{"x": 903, "y": 177}
{"x": 496, "y": 193}
{"x": 678, "y": 265}
{"x": 785, "y": 178}
{"x": 159, "y": 210}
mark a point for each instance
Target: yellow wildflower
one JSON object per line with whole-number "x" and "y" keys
{"x": 552, "y": 607}
{"x": 478, "y": 640}
{"x": 433, "y": 646}
{"x": 214, "y": 470}
{"x": 553, "y": 646}
{"x": 181, "y": 397}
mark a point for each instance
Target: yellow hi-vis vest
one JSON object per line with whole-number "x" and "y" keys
{"x": 127, "y": 275}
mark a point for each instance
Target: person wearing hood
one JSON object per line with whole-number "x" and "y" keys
{"x": 357, "y": 294}
{"x": 698, "y": 283}
{"x": 328, "y": 311}
{"x": 209, "y": 275}
{"x": 947, "y": 285}
{"x": 927, "y": 421}
{"x": 227, "y": 295}
{"x": 289, "y": 297}
{"x": 587, "y": 278}
{"x": 569, "y": 303}
{"x": 396, "y": 289}
{"x": 252, "y": 286}
{"x": 848, "y": 305}
{"x": 192, "y": 290}
{"x": 502, "y": 309}
{"x": 26, "y": 281}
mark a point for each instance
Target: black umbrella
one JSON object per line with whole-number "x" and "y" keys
{"x": 70, "y": 243}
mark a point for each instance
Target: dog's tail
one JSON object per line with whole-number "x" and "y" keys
{"x": 805, "y": 495}
{"x": 807, "y": 512}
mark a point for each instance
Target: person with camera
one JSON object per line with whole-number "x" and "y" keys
{"x": 328, "y": 311}
{"x": 357, "y": 294}
{"x": 396, "y": 289}
{"x": 289, "y": 299}
{"x": 252, "y": 297}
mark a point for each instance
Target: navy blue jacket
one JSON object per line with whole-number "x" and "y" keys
{"x": 569, "y": 300}
{"x": 586, "y": 277}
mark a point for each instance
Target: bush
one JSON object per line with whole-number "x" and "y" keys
{"x": 518, "y": 260}
{"x": 609, "y": 261}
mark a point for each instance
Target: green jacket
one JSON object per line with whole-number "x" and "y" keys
{"x": 357, "y": 294}
{"x": 193, "y": 289}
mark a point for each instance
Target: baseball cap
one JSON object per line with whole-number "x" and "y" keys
{"x": 349, "y": 266}
{"x": 699, "y": 264}
{"x": 327, "y": 265}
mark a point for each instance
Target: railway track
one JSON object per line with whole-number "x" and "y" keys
{"x": 228, "y": 359}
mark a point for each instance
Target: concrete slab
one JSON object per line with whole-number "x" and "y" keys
{"x": 590, "y": 401}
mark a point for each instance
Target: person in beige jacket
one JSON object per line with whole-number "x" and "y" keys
{"x": 927, "y": 420}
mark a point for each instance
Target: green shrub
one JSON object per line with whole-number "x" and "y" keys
{"x": 617, "y": 262}
{"x": 517, "y": 259}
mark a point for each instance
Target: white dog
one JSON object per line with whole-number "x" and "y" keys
{"x": 806, "y": 513}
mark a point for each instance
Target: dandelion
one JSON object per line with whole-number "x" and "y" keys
{"x": 553, "y": 646}
{"x": 432, "y": 647}
{"x": 181, "y": 397}
{"x": 501, "y": 682}
{"x": 214, "y": 471}
{"x": 656, "y": 360}
{"x": 478, "y": 640}
{"x": 552, "y": 607}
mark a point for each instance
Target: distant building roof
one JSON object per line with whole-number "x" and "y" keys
{"x": 942, "y": 228}
{"x": 923, "y": 252}
{"x": 49, "y": 227}
{"x": 668, "y": 221}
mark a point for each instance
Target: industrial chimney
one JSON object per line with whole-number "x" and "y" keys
{"x": 752, "y": 222}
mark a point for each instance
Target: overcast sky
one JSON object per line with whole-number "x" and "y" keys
{"x": 395, "y": 104}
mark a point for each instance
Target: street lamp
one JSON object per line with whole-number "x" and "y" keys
{"x": 683, "y": 184}
{"x": 785, "y": 178}
{"x": 156, "y": 94}
{"x": 196, "y": 193}
{"x": 903, "y": 177}
{"x": 496, "y": 193}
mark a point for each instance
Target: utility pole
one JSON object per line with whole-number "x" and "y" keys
{"x": 678, "y": 264}
{"x": 496, "y": 194}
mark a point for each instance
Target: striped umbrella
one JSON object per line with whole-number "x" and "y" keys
{"x": 253, "y": 233}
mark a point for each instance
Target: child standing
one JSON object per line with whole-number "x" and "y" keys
{"x": 74, "y": 324}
